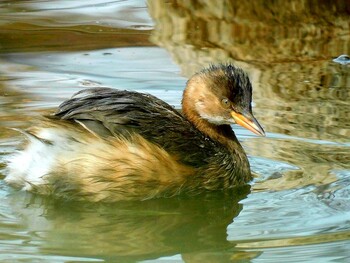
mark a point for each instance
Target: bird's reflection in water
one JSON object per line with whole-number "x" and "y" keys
{"x": 194, "y": 227}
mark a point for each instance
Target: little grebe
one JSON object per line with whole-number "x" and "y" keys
{"x": 107, "y": 145}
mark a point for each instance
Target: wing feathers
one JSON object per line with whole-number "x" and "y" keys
{"x": 110, "y": 112}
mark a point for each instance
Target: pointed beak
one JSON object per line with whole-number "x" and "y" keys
{"x": 248, "y": 121}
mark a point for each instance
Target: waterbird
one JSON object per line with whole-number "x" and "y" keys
{"x": 107, "y": 145}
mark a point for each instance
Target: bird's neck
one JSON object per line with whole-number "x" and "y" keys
{"x": 224, "y": 135}
{"x": 220, "y": 133}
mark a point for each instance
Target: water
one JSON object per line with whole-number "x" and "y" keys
{"x": 297, "y": 209}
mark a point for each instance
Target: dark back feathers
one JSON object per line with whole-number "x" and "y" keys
{"x": 110, "y": 112}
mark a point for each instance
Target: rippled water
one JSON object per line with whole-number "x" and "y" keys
{"x": 297, "y": 209}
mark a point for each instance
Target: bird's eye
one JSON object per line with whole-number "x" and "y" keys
{"x": 225, "y": 102}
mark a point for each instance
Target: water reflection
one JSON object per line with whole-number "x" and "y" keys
{"x": 298, "y": 209}
{"x": 71, "y": 25}
{"x": 132, "y": 230}
{"x": 299, "y": 91}
{"x": 261, "y": 32}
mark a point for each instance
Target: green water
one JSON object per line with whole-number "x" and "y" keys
{"x": 297, "y": 208}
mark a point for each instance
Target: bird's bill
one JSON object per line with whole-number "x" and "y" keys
{"x": 249, "y": 122}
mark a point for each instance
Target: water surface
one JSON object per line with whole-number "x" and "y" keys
{"x": 297, "y": 208}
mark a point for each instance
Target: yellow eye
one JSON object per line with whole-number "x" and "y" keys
{"x": 225, "y": 102}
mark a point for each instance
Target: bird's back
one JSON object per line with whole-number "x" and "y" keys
{"x": 110, "y": 112}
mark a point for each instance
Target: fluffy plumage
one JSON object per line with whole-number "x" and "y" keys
{"x": 108, "y": 145}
